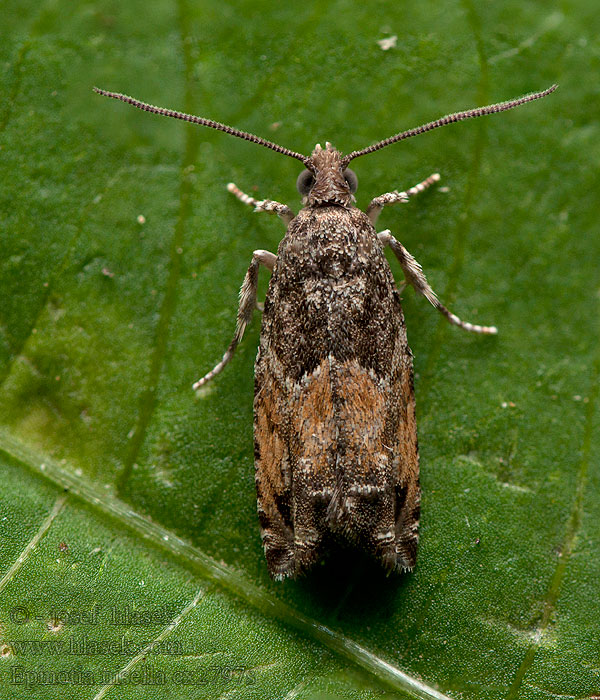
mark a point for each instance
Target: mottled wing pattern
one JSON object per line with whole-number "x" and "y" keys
{"x": 335, "y": 432}
{"x": 273, "y": 467}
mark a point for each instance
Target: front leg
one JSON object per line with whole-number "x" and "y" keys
{"x": 414, "y": 275}
{"x": 246, "y": 307}
{"x": 384, "y": 200}
{"x": 282, "y": 210}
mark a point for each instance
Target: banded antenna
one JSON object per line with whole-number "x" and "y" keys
{"x": 449, "y": 119}
{"x": 443, "y": 121}
{"x": 206, "y": 122}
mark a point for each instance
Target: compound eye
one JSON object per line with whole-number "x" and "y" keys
{"x": 305, "y": 182}
{"x": 351, "y": 179}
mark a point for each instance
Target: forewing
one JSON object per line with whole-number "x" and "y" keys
{"x": 335, "y": 423}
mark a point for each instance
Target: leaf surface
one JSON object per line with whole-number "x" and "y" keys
{"x": 121, "y": 255}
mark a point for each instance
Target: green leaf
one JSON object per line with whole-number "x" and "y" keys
{"x": 121, "y": 254}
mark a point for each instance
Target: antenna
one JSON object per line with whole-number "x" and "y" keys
{"x": 456, "y": 117}
{"x": 206, "y": 122}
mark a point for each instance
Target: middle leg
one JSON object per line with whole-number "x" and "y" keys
{"x": 246, "y": 307}
{"x": 415, "y": 276}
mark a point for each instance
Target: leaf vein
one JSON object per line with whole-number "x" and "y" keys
{"x": 32, "y": 544}
{"x": 133, "y": 662}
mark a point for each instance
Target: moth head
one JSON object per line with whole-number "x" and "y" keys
{"x": 325, "y": 181}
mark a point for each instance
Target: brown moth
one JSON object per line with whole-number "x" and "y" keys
{"x": 335, "y": 436}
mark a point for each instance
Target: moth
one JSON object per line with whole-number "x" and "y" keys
{"x": 335, "y": 436}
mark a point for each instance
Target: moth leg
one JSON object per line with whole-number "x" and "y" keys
{"x": 414, "y": 275}
{"x": 246, "y": 307}
{"x": 377, "y": 204}
{"x": 282, "y": 210}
